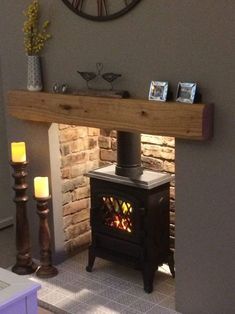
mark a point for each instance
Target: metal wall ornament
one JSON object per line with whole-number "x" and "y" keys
{"x": 186, "y": 92}
{"x": 158, "y": 91}
{"x": 100, "y": 10}
{"x": 109, "y": 77}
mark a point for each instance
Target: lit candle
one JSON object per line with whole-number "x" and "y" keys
{"x": 41, "y": 187}
{"x": 18, "y": 152}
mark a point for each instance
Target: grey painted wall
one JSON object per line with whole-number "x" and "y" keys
{"x": 6, "y": 206}
{"x": 177, "y": 40}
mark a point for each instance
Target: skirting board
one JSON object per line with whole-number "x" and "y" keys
{"x": 9, "y": 221}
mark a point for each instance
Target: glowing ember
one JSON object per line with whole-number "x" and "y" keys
{"x": 118, "y": 214}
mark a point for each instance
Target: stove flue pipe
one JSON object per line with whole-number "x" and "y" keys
{"x": 128, "y": 155}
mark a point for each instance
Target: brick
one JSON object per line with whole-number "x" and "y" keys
{"x": 92, "y": 143}
{"x": 104, "y": 142}
{"x": 82, "y": 131}
{"x": 63, "y": 126}
{"x": 104, "y": 163}
{"x": 79, "y": 158}
{"x": 66, "y": 161}
{"x": 169, "y": 166}
{"x": 65, "y": 173}
{"x": 82, "y": 215}
{"x": 78, "y": 170}
{"x": 68, "y": 135}
{"x": 80, "y": 193}
{"x": 152, "y": 163}
{"x": 172, "y": 205}
{"x": 66, "y": 198}
{"x": 70, "y": 185}
{"x": 67, "y": 186}
{"x": 68, "y": 233}
{"x": 172, "y": 192}
{"x": 79, "y": 182}
{"x": 94, "y": 154}
{"x": 158, "y": 151}
{"x": 108, "y": 155}
{"x": 169, "y": 141}
{"x": 91, "y": 165}
{"x": 93, "y": 132}
{"x": 67, "y": 221}
{"x": 76, "y": 230}
{"x": 73, "y": 245}
{"x": 113, "y": 133}
{"x": 65, "y": 149}
{"x": 79, "y": 145}
{"x": 152, "y": 139}
{"x": 84, "y": 239}
{"x": 114, "y": 144}
{"x": 75, "y": 207}
{"x": 105, "y": 132}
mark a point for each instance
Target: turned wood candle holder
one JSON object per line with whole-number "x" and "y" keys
{"x": 45, "y": 270}
{"x": 24, "y": 264}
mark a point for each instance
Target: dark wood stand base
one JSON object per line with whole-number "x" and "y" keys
{"x": 24, "y": 270}
{"x": 46, "y": 270}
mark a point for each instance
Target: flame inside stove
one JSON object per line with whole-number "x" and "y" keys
{"x": 118, "y": 214}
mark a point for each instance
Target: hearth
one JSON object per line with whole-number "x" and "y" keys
{"x": 130, "y": 213}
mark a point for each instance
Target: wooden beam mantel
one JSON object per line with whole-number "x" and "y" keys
{"x": 188, "y": 121}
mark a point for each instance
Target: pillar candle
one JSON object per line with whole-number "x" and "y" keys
{"x": 41, "y": 187}
{"x": 18, "y": 152}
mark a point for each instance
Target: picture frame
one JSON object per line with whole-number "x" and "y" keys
{"x": 158, "y": 91}
{"x": 186, "y": 92}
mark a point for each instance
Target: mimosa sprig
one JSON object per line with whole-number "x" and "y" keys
{"x": 34, "y": 37}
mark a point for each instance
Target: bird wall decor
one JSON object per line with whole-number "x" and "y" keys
{"x": 90, "y": 76}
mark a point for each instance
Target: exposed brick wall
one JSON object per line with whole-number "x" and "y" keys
{"x": 79, "y": 154}
{"x": 84, "y": 149}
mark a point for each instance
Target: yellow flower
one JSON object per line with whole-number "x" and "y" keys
{"x": 34, "y": 38}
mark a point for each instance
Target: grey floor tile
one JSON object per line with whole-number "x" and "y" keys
{"x": 169, "y": 302}
{"x": 80, "y": 308}
{"x": 53, "y": 297}
{"x": 161, "y": 310}
{"x": 125, "y": 299}
{"x": 66, "y": 304}
{"x": 165, "y": 288}
{"x": 110, "y": 293}
{"x": 142, "y": 306}
{"x": 115, "y": 307}
{"x": 154, "y": 297}
{"x": 95, "y": 300}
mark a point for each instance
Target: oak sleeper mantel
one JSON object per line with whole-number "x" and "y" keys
{"x": 187, "y": 121}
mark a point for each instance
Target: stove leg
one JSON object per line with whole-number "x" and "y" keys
{"x": 171, "y": 263}
{"x": 148, "y": 277}
{"x": 91, "y": 260}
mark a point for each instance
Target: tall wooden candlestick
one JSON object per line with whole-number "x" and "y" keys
{"x": 24, "y": 264}
{"x": 46, "y": 270}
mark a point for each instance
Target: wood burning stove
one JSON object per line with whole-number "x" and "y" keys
{"x": 130, "y": 216}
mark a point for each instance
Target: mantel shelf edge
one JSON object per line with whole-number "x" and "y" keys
{"x": 186, "y": 121}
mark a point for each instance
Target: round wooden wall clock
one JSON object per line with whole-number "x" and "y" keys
{"x": 100, "y": 10}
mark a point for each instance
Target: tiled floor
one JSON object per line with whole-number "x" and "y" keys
{"x": 109, "y": 289}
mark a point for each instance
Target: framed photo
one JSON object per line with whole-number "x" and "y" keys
{"x": 186, "y": 92}
{"x": 158, "y": 91}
